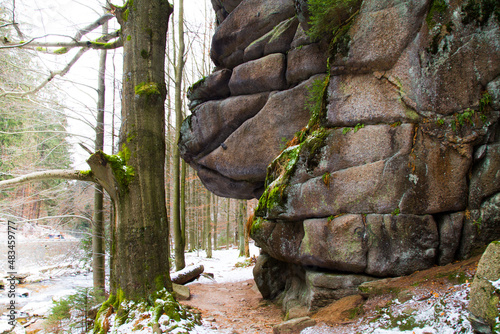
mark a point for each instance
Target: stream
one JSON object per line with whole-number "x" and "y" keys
{"x": 41, "y": 294}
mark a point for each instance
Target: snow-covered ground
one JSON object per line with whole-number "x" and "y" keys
{"x": 222, "y": 265}
{"x": 444, "y": 314}
{"x": 428, "y": 314}
{"x": 66, "y": 276}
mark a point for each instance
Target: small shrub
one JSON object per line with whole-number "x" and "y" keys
{"x": 244, "y": 264}
{"x": 358, "y": 126}
{"x": 315, "y": 101}
{"x": 73, "y": 312}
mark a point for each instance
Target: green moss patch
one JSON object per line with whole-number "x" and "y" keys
{"x": 61, "y": 51}
{"x": 326, "y": 16}
{"x": 123, "y": 173}
{"x": 159, "y": 310}
{"x": 147, "y": 89}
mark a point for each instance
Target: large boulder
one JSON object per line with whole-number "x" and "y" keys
{"x": 374, "y": 150}
{"x": 382, "y": 31}
{"x": 212, "y": 122}
{"x": 277, "y": 40}
{"x": 213, "y": 87}
{"x": 261, "y": 75}
{"x": 400, "y": 244}
{"x": 251, "y": 147}
{"x": 485, "y": 179}
{"x": 377, "y": 245}
{"x": 365, "y": 99}
{"x": 249, "y": 21}
{"x": 484, "y": 299}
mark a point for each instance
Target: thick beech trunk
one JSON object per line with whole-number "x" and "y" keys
{"x": 139, "y": 264}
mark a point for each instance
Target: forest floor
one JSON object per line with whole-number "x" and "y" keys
{"x": 234, "y": 307}
{"x": 429, "y": 301}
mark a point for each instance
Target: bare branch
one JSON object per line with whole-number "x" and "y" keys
{"x": 44, "y": 131}
{"x": 99, "y": 22}
{"x": 52, "y": 217}
{"x": 18, "y": 45}
{"x": 19, "y": 33}
{"x": 51, "y": 76}
{"x": 47, "y": 175}
{"x": 7, "y": 24}
{"x": 86, "y": 148}
{"x": 100, "y": 44}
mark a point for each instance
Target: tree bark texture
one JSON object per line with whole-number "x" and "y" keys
{"x": 179, "y": 237}
{"x": 208, "y": 226}
{"x": 98, "y": 244}
{"x": 241, "y": 231}
{"x": 216, "y": 217}
{"x": 187, "y": 274}
{"x": 140, "y": 245}
{"x": 227, "y": 223}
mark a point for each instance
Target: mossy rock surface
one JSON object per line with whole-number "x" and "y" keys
{"x": 485, "y": 292}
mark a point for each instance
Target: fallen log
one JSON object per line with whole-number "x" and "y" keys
{"x": 187, "y": 274}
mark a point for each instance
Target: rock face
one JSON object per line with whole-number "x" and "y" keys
{"x": 485, "y": 291}
{"x": 374, "y": 151}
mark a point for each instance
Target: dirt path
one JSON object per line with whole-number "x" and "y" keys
{"x": 239, "y": 307}
{"x": 234, "y": 307}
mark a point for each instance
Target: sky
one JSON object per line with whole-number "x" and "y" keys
{"x": 62, "y": 18}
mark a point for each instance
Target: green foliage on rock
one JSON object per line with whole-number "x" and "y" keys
{"x": 282, "y": 169}
{"x": 316, "y": 101}
{"x": 438, "y": 7}
{"x": 327, "y": 16}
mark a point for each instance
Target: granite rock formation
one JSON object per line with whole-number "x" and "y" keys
{"x": 374, "y": 150}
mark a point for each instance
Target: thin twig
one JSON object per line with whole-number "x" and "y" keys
{"x": 51, "y": 76}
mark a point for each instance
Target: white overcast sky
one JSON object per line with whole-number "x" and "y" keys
{"x": 59, "y": 18}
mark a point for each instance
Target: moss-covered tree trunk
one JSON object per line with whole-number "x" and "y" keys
{"x": 139, "y": 265}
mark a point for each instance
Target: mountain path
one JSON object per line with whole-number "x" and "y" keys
{"x": 236, "y": 308}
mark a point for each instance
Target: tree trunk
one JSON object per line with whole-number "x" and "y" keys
{"x": 179, "y": 236}
{"x": 203, "y": 222}
{"x": 183, "y": 205}
{"x": 187, "y": 274}
{"x": 228, "y": 220}
{"x": 140, "y": 231}
{"x": 241, "y": 233}
{"x": 216, "y": 217}
{"x": 98, "y": 244}
{"x": 208, "y": 227}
